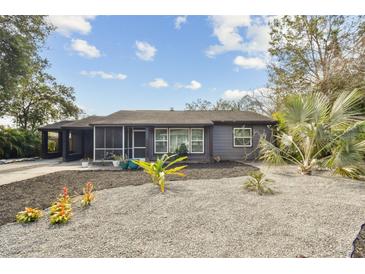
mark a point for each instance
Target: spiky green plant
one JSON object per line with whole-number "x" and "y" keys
{"x": 159, "y": 169}
{"x": 259, "y": 183}
{"x": 319, "y": 133}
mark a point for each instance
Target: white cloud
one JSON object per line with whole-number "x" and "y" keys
{"x": 83, "y": 48}
{"x": 104, "y": 75}
{"x": 179, "y": 21}
{"x": 236, "y": 94}
{"x": 145, "y": 51}
{"x": 249, "y": 62}
{"x": 194, "y": 85}
{"x": 67, "y": 24}
{"x": 228, "y": 30}
{"x": 158, "y": 83}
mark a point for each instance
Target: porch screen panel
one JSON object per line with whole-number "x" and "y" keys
{"x": 113, "y": 137}
{"x": 99, "y": 137}
{"x": 108, "y": 142}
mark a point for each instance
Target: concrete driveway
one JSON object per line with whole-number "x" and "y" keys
{"x": 25, "y": 170}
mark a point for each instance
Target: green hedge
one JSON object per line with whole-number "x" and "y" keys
{"x": 19, "y": 143}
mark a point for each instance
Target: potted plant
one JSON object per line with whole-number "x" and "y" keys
{"x": 116, "y": 159}
{"x": 123, "y": 164}
{"x": 85, "y": 162}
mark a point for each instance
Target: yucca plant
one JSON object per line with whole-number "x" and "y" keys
{"x": 259, "y": 183}
{"x": 29, "y": 215}
{"x": 88, "y": 195}
{"x": 61, "y": 211}
{"x": 159, "y": 169}
{"x": 318, "y": 133}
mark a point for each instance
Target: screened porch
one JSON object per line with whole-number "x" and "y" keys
{"x": 124, "y": 141}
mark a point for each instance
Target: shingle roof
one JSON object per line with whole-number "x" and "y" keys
{"x": 160, "y": 117}
{"x": 82, "y": 123}
{"x": 56, "y": 125}
{"x": 164, "y": 117}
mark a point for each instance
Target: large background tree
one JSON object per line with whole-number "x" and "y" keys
{"x": 258, "y": 104}
{"x": 29, "y": 94}
{"x": 21, "y": 37}
{"x": 325, "y": 54}
{"x": 40, "y": 99}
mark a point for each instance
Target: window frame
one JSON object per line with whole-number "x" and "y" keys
{"x": 202, "y": 140}
{"x": 190, "y": 141}
{"x": 173, "y": 128}
{"x": 235, "y": 137}
{"x": 154, "y": 140}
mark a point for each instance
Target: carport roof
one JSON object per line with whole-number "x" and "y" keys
{"x": 55, "y": 126}
{"x": 78, "y": 124}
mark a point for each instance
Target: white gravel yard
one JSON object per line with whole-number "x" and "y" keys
{"x": 312, "y": 216}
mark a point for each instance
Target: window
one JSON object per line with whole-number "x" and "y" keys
{"x": 178, "y": 136}
{"x": 161, "y": 140}
{"x": 197, "y": 140}
{"x": 242, "y": 137}
{"x": 168, "y": 140}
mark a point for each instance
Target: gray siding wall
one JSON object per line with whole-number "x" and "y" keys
{"x": 223, "y": 142}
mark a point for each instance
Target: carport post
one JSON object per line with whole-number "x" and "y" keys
{"x": 123, "y": 142}
{"x": 94, "y": 150}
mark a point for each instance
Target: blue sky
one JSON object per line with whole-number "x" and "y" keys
{"x": 157, "y": 62}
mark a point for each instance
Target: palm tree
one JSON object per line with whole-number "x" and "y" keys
{"x": 319, "y": 133}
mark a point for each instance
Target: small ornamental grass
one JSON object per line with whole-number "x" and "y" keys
{"x": 29, "y": 215}
{"x": 159, "y": 169}
{"x": 61, "y": 211}
{"x": 258, "y": 183}
{"x": 88, "y": 195}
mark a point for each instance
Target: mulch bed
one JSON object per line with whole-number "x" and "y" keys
{"x": 41, "y": 191}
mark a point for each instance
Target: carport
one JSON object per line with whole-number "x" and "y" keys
{"x": 73, "y": 140}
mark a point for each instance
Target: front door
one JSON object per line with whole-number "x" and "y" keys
{"x": 139, "y": 144}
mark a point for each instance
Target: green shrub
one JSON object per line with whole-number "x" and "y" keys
{"x": 182, "y": 150}
{"x": 18, "y": 143}
{"x": 258, "y": 183}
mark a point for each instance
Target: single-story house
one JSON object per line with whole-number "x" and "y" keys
{"x": 146, "y": 134}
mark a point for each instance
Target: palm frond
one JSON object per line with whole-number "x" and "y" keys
{"x": 174, "y": 169}
{"x": 346, "y": 158}
{"x": 270, "y": 153}
{"x": 297, "y": 110}
{"x": 180, "y": 159}
{"x": 345, "y": 110}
